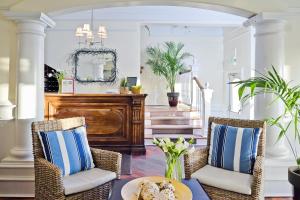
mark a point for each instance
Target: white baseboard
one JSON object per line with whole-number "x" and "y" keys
{"x": 278, "y": 188}
{"x": 276, "y": 177}
{"x": 14, "y": 188}
{"x": 16, "y": 178}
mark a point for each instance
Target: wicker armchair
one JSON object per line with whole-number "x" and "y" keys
{"x": 199, "y": 158}
{"x": 48, "y": 179}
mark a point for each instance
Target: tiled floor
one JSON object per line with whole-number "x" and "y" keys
{"x": 152, "y": 163}
{"x": 146, "y": 165}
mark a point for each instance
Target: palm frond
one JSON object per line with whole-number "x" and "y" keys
{"x": 273, "y": 83}
{"x": 167, "y": 61}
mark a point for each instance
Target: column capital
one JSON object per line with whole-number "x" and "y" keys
{"x": 31, "y": 23}
{"x": 21, "y": 17}
{"x": 267, "y": 23}
{"x": 266, "y": 17}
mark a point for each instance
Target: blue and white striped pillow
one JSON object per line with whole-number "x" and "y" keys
{"x": 233, "y": 148}
{"x": 69, "y": 150}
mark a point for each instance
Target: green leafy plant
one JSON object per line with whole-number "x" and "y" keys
{"x": 167, "y": 61}
{"x": 173, "y": 151}
{"x": 273, "y": 83}
{"x": 123, "y": 82}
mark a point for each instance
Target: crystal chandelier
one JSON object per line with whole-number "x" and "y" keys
{"x": 86, "y": 33}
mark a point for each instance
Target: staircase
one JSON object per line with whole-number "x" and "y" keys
{"x": 164, "y": 121}
{"x": 185, "y": 120}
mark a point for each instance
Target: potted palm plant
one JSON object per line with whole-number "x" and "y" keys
{"x": 168, "y": 62}
{"x": 272, "y": 83}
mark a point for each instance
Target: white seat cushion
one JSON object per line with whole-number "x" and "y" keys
{"x": 224, "y": 179}
{"x": 87, "y": 180}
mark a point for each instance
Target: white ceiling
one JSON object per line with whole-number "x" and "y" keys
{"x": 158, "y": 14}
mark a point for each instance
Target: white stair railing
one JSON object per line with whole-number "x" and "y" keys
{"x": 194, "y": 94}
{"x": 198, "y": 100}
{"x": 185, "y": 87}
{"x": 203, "y": 100}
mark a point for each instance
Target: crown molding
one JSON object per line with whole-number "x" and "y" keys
{"x": 40, "y": 17}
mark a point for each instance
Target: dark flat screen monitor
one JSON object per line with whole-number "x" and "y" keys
{"x": 131, "y": 81}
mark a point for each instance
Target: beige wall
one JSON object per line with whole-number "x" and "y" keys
{"x": 7, "y": 58}
{"x": 7, "y": 79}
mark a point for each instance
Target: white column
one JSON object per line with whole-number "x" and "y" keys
{"x": 30, "y": 64}
{"x": 30, "y": 79}
{"x": 269, "y": 51}
{"x": 30, "y": 94}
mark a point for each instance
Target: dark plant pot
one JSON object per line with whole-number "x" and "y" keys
{"x": 294, "y": 179}
{"x": 173, "y": 98}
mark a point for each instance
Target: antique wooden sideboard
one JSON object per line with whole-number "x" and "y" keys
{"x": 114, "y": 121}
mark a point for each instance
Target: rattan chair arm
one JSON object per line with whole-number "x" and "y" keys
{"x": 48, "y": 180}
{"x": 258, "y": 177}
{"x": 107, "y": 160}
{"x": 194, "y": 161}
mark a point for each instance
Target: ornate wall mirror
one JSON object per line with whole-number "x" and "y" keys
{"x": 95, "y": 65}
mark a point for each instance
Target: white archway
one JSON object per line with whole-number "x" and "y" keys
{"x": 182, "y": 3}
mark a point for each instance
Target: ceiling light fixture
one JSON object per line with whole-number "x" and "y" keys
{"x": 86, "y": 33}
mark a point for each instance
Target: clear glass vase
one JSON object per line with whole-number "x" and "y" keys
{"x": 59, "y": 86}
{"x": 173, "y": 168}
